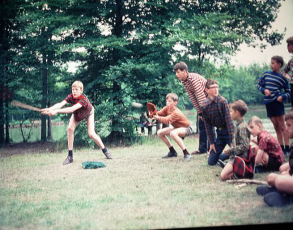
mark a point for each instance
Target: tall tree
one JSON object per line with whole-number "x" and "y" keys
{"x": 127, "y": 46}
{"x": 210, "y": 29}
{"x": 9, "y": 9}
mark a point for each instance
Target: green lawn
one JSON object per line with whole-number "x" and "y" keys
{"x": 136, "y": 190}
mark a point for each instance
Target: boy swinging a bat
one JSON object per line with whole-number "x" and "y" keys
{"x": 81, "y": 109}
{"x": 180, "y": 126}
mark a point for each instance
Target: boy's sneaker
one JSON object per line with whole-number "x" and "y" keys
{"x": 108, "y": 155}
{"x": 221, "y": 163}
{"x": 68, "y": 160}
{"x": 264, "y": 189}
{"x": 170, "y": 154}
{"x": 187, "y": 157}
{"x": 276, "y": 199}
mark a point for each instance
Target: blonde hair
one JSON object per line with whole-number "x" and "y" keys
{"x": 78, "y": 84}
{"x": 255, "y": 120}
{"x": 174, "y": 96}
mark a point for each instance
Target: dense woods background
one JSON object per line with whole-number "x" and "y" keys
{"x": 126, "y": 50}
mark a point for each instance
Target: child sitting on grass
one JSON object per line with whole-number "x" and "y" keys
{"x": 280, "y": 192}
{"x": 81, "y": 109}
{"x": 269, "y": 154}
{"x": 240, "y": 146}
{"x": 180, "y": 126}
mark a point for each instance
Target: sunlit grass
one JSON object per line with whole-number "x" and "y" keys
{"x": 136, "y": 190}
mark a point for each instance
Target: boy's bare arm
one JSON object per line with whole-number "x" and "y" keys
{"x": 59, "y": 105}
{"x": 65, "y": 110}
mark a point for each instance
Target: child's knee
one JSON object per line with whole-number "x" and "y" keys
{"x": 280, "y": 182}
{"x": 159, "y": 133}
{"x": 173, "y": 134}
{"x": 70, "y": 129}
{"x": 271, "y": 179}
{"x": 223, "y": 175}
{"x": 92, "y": 135}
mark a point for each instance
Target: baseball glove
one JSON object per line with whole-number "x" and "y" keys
{"x": 152, "y": 109}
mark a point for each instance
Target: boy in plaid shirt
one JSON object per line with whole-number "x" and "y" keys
{"x": 269, "y": 154}
{"x": 280, "y": 190}
{"x": 241, "y": 139}
{"x": 216, "y": 113}
{"x": 81, "y": 109}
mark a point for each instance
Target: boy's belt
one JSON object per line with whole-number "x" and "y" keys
{"x": 221, "y": 128}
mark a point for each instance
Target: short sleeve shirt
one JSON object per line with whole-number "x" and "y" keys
{"x": 84, "y": 111}
{"x": 270, "y": 145}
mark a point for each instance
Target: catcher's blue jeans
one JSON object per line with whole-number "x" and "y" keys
{"x": 220, "y": 143}
{"x": 204, "y": 144}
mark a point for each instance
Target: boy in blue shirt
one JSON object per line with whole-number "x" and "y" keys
{"x": 275, "y": 88}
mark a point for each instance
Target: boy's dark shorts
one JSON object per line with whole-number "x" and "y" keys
{"x": 275, "y": 109}
{"x": 273, "y": 164}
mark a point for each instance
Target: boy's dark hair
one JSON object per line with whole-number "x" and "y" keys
{"x": 278, "y": 59}
{"x": 289, "y": 116}
{"x": 239, "y": 106}
{"x": 174, "y": 96}
{"x": 290, "y": 40}
{"x": 180, "y": 65}
{"x": 211, "y": 82}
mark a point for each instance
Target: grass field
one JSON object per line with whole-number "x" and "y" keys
{"x": 136, "y": 190}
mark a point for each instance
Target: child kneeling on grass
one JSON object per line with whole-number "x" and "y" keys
{"x": 81, "y": 109}
{"x": 280, "y": 190}
{"x": 180, "y": 128}
{"x": 240, "y": 146}
{"x": 269, "y": 154}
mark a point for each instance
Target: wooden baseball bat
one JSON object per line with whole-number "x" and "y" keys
{"x": 25, "y": 106}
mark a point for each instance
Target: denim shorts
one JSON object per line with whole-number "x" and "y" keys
{"x": 275, "y": 109}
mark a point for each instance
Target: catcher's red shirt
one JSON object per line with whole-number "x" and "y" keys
{"x": 174, "y": 117}
{"x": 85, "y": 110}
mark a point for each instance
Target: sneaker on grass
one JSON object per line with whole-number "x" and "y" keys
{"x": 264, "y": 189}
{"x": 170, "y": 154}
{"x": 276, "y": 199}
{"x": 187, "y": 157}
{"x": 68, "y": 160}
{"x": 221, "y": 163}
{"x": 108, "y": 155}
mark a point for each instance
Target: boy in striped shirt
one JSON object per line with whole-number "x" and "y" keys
{"x": 81, "y": 109}
{"x": 194, "y": 85}
{"x": 287, "y": 71}
{"x": 275, "y": 88}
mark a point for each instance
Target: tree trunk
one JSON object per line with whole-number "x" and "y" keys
{"x": 49, "y": 124}
{"x": 2, "y": 79}
{"x": 44, "y": 100}
{"x": 117, "y": 31}
{"x": 7, "y": 135}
